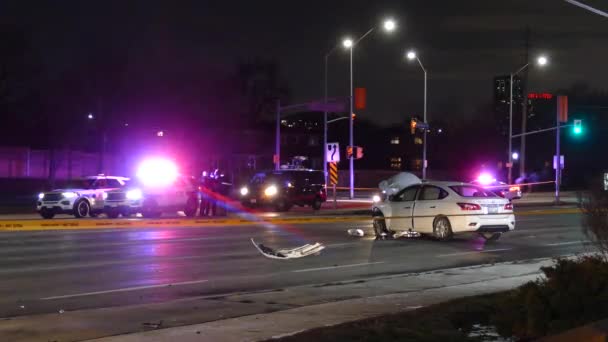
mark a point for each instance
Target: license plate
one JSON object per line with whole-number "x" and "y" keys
{"x": 253, "y": 200}
{"x": 492, "y": 210}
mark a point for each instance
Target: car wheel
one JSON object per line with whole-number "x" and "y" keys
{"x": 317, "y": 203}
{"x": 489, "y": 237}
{"x": 191, "y": 207}
{"x": 112, "y": 213}
{"x": 82, "y": 208}
{"x": 380, "y": 227}
{"x": 442, "y": 229}
{"x": 150, "y": 209}
{"x": 282, "y": 205}
{"x": 46, "y": 213}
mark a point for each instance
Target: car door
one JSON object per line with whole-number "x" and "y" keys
{"x": 402, "y": 208}
{"x": 429, "y": 204}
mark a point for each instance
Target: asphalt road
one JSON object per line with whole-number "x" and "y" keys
{"x": 44, "y": 271}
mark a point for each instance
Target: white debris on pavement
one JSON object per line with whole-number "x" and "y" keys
{"x": 407, "y": 234}
{"x": 356, "y": 232}
{"x": 293, "y": 253}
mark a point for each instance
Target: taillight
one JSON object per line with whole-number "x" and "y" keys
{"x": 469, "y": 206}
{"x": 509, "y": 206}
{"x": 514, "y": 188}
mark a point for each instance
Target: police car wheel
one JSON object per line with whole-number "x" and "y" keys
{"x": 112, "y": 213}
{"x": 191, "y": 206}
{"x": 82, "y": 208}
{"x": 47, "y": 213}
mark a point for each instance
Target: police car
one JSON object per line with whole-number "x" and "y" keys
{"x": 81, "y": 199}
{"x": 151, "y": 201}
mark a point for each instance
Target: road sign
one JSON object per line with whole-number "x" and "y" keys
{"x": 332, "y": 151}
{"x": 561, "y": 162}
{"x": 333, "y": 173}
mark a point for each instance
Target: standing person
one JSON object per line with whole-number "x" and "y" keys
{"x": 205, "y": 195}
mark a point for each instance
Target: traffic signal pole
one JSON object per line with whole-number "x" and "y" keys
{"x": 558, "y": 161}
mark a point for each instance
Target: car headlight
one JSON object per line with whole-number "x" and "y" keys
{"x": 134, "y": 194}
{"x": 104, "y": 196}
{"x": 69, "y": 194}
{"x": 271, "y": 191}
{"x": 41, "y": 195}
{"x": 376, "y": 198}
{"x": 244, "y": 191}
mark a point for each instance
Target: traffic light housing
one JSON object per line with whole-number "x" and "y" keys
{"x": 577, "y": 129}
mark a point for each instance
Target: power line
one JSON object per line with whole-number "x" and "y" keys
{"x": 588, "y": 8}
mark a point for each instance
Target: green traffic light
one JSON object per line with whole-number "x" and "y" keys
{"x": 578, "y": 127}
{"x": 578, "y": 130}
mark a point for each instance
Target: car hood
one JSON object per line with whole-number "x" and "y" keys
{"x": 68, "y": 190}
{"x": 398, "y": 182}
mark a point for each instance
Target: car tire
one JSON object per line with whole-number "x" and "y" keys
{"x": 491, "y": 237}
{"x": 380, "y": 227}
{"x": 282, "y": 205}
{"x": 317, "y": 203}
{"x": 112, "y": 213}
{"x": 191, "y": 207}
{"x": 442, "y": 229}
{"x": 150, "y": 209}
{"x": 82, "y": 208}
{"x": 47, "y": 214}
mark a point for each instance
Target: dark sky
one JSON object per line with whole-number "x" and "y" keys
{"x": 463, "y": 44}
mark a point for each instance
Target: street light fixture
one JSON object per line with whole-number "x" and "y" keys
{"x": 411, "y": 55}
{"x": 90, "y": 116}
{"x": 389, "y": 26}
{"x": 540, "y": 61}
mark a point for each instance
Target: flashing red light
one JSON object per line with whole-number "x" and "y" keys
{"x": 469, "y": 206}
{"x": 157, "y": 172}
{"x": 540, "y": 96}
{"x": 509, "y": 206}
{"x": 485, "y": 179}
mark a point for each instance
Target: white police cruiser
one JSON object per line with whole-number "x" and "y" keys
{"x": 84, "y": 198}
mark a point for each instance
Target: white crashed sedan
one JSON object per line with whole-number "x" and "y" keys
{"x": 443, "y": 209}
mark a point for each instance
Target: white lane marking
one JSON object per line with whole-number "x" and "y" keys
{"x": 564, "y": 243}
{"x": 474, "y": 252}
{"x": 125, "y": 289}
{"x": 334, "y": 267}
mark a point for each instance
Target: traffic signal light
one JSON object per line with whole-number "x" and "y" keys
{"x": 578, "y": 127}
{"x": 358, "y": 152}
{"x": 413, "y": 124}
{"x": 349, "y": 152}
{"x": 354, "y": 116}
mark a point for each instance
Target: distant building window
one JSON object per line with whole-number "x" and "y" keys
{"x": 396, "y": 160}
{"x": 395, "y": 141}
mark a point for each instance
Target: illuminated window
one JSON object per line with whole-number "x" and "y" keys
{"x": 395, "y": 141}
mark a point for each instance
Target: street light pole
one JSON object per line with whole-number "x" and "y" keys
{"x": 351, "y": 133}
{"x": 424, "y": 162}
{"x": 510, "y": 166}
{"x": 277, "y": 161}
{"x": 325, "y": 122}
{"x": 412, "y": 55}
{"x": 541, "y": 61}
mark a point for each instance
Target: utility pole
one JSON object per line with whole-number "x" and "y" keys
{"x": 524, "y": 109}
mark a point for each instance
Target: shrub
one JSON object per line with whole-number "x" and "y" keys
{"x": 573, "y": 293}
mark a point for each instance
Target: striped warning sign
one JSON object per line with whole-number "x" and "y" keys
{"x": 333, "y": 173}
